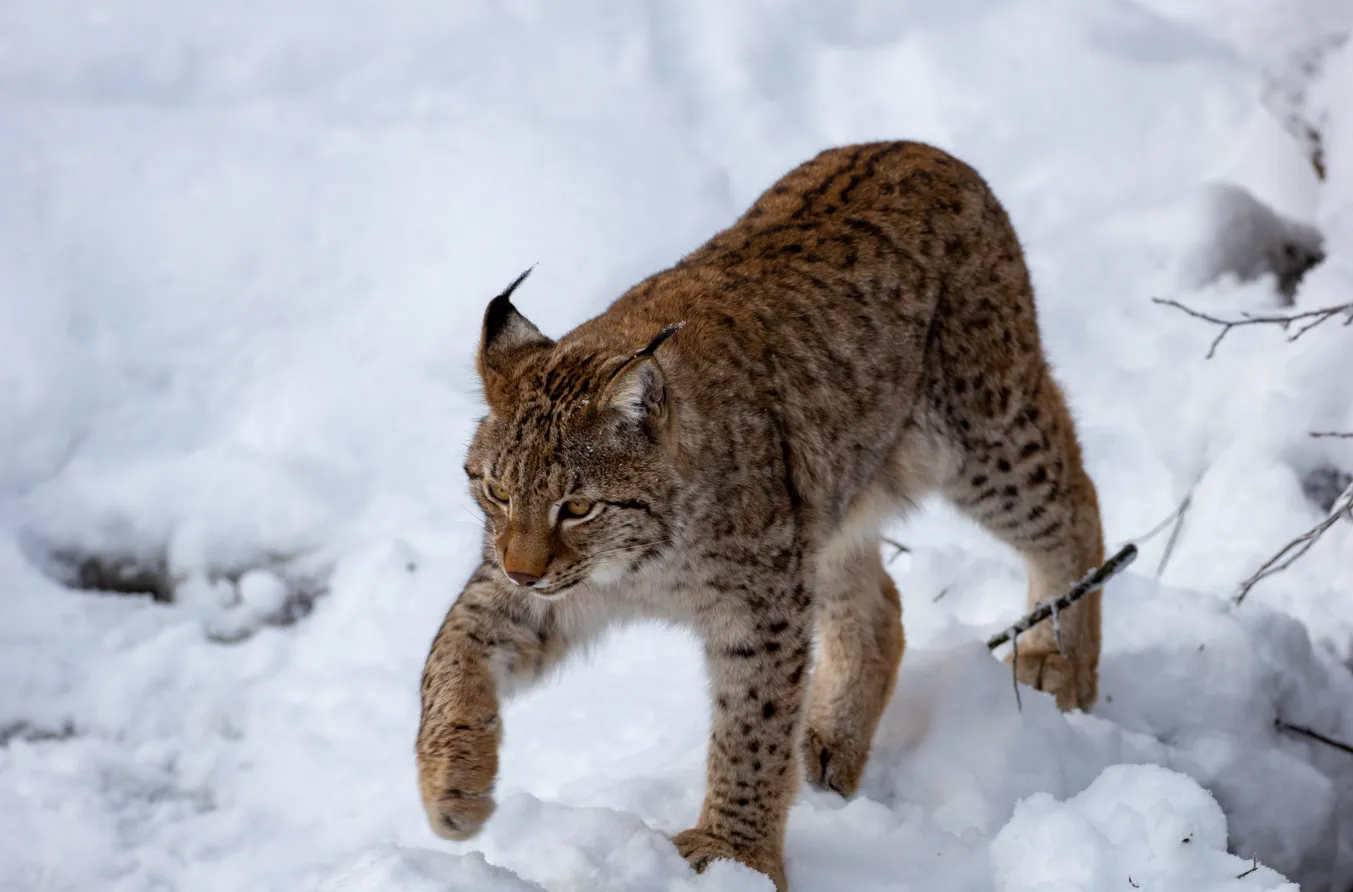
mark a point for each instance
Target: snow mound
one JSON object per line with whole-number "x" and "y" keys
{"x": 1141, "y": 826}
{"x": 422, "y": 870}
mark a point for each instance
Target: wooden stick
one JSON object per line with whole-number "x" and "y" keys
{"x": 1314, "y": 735}
{"x": 1092, "y": 582}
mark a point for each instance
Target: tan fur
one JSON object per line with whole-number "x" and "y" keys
{"x": 864, "y": 335}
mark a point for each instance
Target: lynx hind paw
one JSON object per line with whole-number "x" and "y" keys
{"x": 1073, "y": 684}
{"x": 456, "y": 772}
{"x": 700, "y": 847}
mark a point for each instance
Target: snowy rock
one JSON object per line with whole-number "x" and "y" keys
{"x": 1246, "y": 239}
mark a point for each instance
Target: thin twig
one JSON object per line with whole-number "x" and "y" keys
{"x": 1314, "y": 735}
{"x": 1292, "y": 551}
{"x": 901, "y": 549}
{"x": 1157, "y": 529}
{"x": 1254, "y": 865}
{"x": 1309, "y": 319}
{"x": 944, "y": 591}
{"x": 1175, "y": 517}
{"x": 1014, "y": 671}
{"x": 1057, "y": 629}
{"x": 1337, "y": 435}
{"x": 1178, "y": 528}
{"x": 1092, "y": 582}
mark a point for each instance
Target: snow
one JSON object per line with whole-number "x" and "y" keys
{"x": 1150, "y": 824}
{"x": 244, "y": 250}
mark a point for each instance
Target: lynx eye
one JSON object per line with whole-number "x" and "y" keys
{"x": 574, "y": 508}
{"x": 498, "y": 492}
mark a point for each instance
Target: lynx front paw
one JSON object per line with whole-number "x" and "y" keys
{"x": 1073, "y": 683}
{"x": 832, "y": 762}
{"x": 700, "y": 847}
{"x": 457, "y": 764}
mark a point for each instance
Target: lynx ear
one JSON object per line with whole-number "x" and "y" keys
{"x": 637, "y": 389}
{"x": 506, "y": 335}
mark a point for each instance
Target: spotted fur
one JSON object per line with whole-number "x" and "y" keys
{"x": 864, "y": 335}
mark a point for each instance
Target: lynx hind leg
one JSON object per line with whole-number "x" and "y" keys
{"x": 1027, "y": 486}
{"x": 860, "y": 644}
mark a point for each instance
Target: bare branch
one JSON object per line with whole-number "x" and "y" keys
{"x": 1176, "y": 518}
{"x": 1175, "y": 521}
{"x": 1254, "y": 865}
{"x": 1174, "y": 532}
{"x": 1293, "y": 551}
{"x": 1092, "y": 582}
{"x": 1314, "y": 735}
{"x": 1308, "y": 320}
{"x": 1336, "y": 435}
{"x": 1158, "y": 528}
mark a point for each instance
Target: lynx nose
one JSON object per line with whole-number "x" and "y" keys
{"x": 525, "y": 556}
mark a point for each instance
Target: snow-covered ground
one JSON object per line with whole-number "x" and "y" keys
{"x": 244, "y": 250}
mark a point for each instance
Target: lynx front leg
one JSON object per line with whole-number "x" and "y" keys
{"x": 494, "y": 639}
{"x": 757, "y": 663}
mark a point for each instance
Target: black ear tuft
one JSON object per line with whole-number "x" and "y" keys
{"x": 652, "y": 347}
{"x": 659, "y": 338}
{"x": 500, "y": 309}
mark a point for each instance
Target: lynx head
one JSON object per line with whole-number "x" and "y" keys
{"x": 574, "y": 463}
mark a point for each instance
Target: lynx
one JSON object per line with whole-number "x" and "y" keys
{"x": 721, "y": 448}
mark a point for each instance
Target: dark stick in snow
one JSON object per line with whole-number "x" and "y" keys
{"x": 1093, "y": 581}
{"x": 1292, "y": 551}
{"x": 1337, "y": 435}
{"x": 1314, "y": 735}
{"x": 1309, "y": 319}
